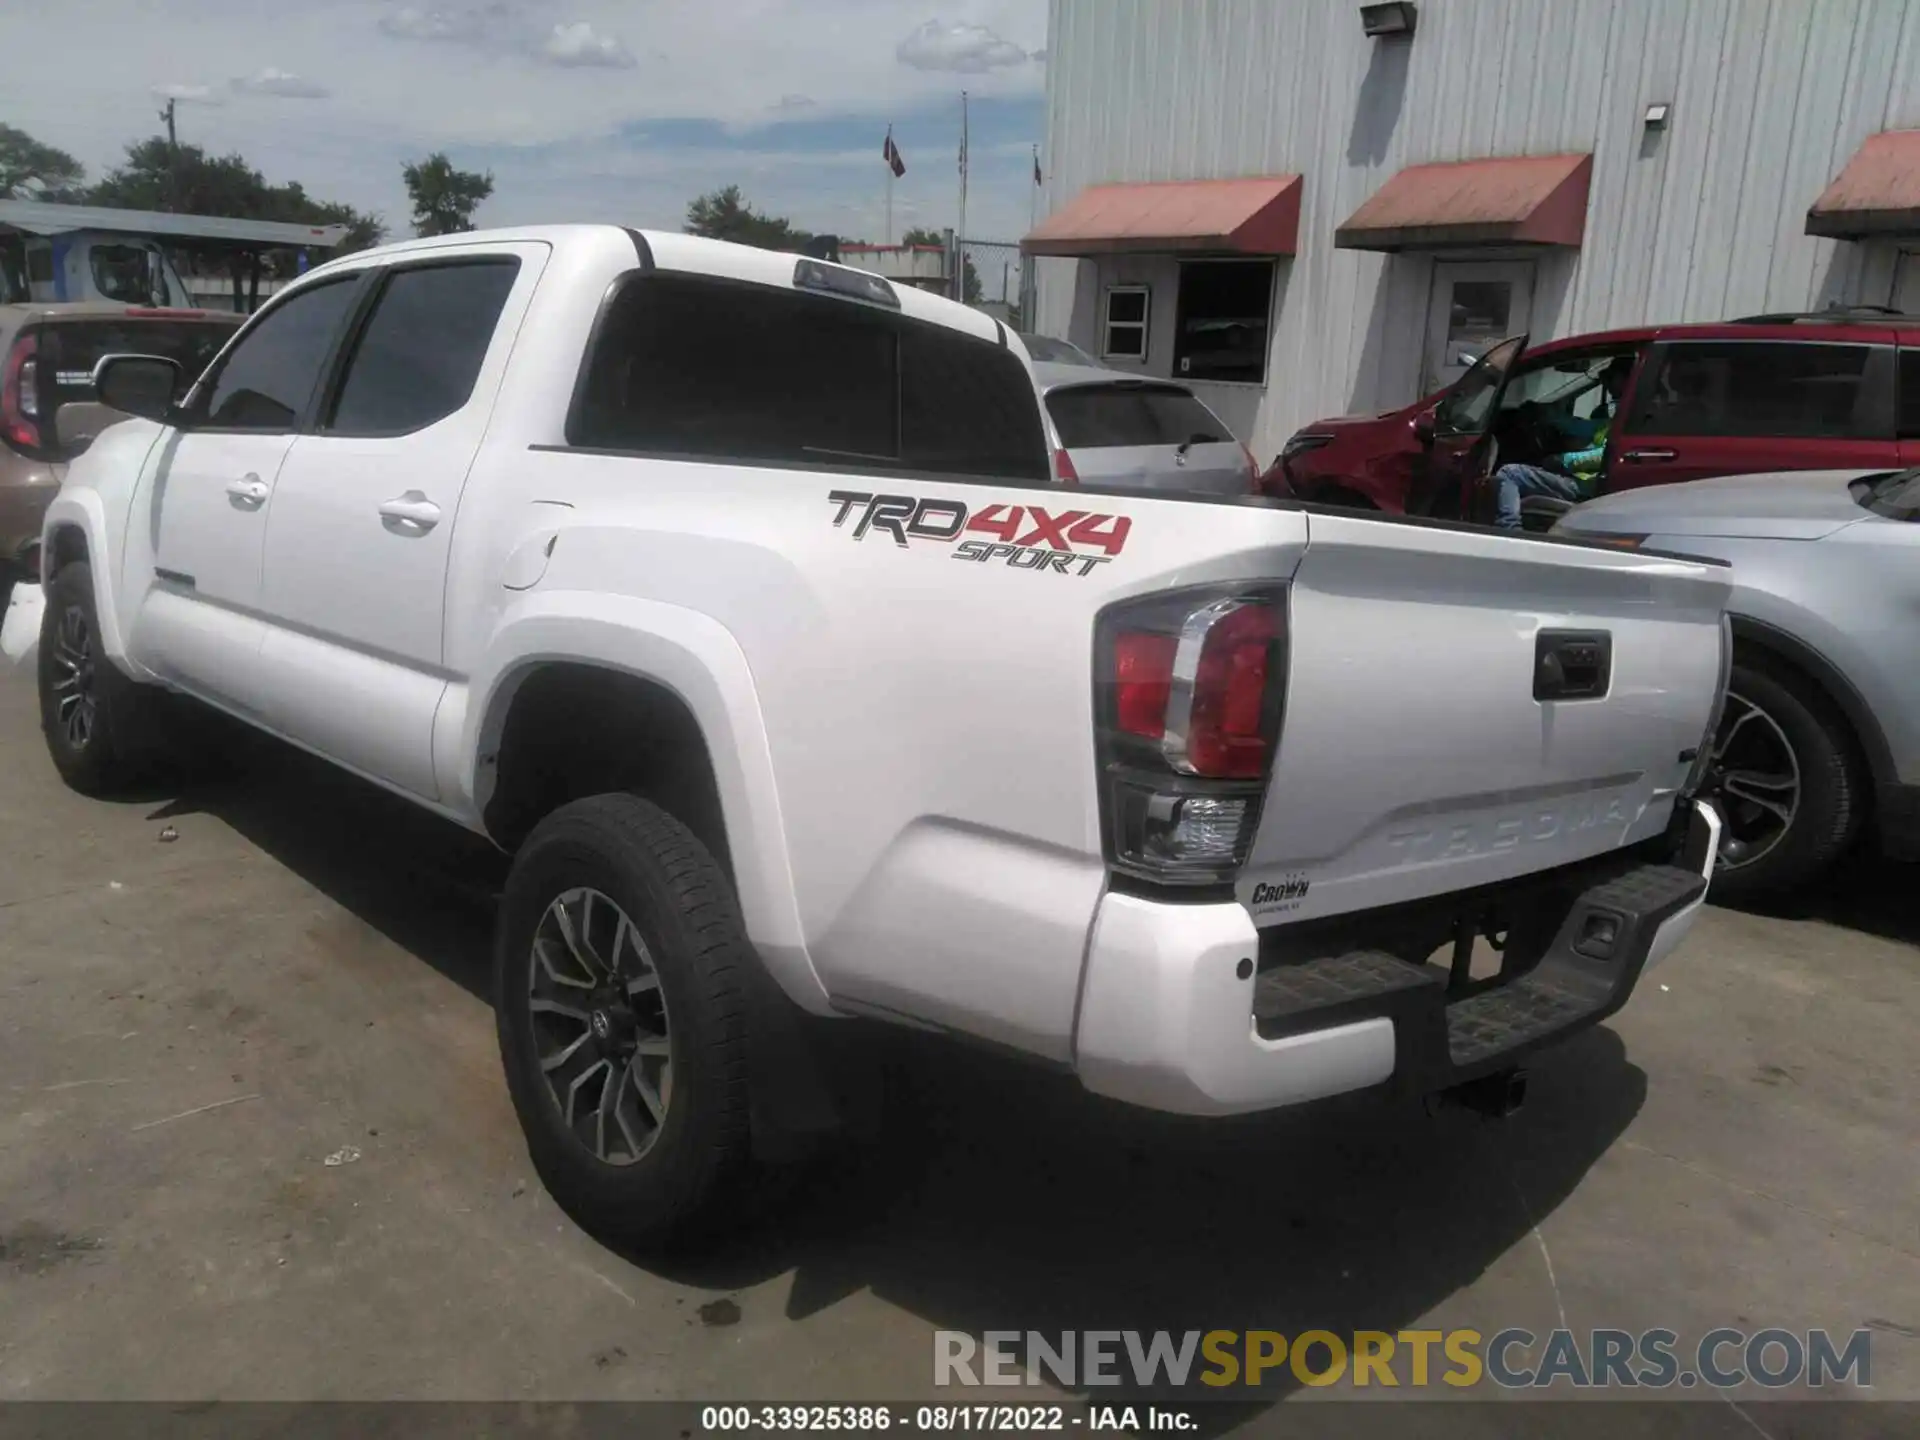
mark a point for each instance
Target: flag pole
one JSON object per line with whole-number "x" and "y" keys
{"x": 889, "y": 160}
{"x": 960, "y": 259}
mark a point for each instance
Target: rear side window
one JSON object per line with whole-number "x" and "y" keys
{"x": 268, "y": 377}
{"x": 1091, "y": 417}
{"x": 421, "y": 349}
{"x": 711, "y": 369}
{"x": 78, "y": 346}
{"x": 1910, "y": 394}
{"x": 1786, "y": 390}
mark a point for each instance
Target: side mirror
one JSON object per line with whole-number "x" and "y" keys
{"x": 142, "y": 385}
{"x": 1423, "y": 428}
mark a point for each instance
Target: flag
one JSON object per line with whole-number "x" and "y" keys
{"x": 890, "y": 153}
{"x": 1036, "y": 166}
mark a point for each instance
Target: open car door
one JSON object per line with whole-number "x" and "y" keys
{"x": 1460, "y": 446}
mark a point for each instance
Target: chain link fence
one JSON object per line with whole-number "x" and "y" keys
{"x": 994, "y": 275}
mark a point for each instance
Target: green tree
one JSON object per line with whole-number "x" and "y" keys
{"x": 724, "y": 215}
{"x": 48, "y": 173}
{"x": 970, "y": 282}
{"x": 444, "y": 198}
{"x": 157, "y": 175}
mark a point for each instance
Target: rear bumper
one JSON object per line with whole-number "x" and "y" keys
{"x": 1177, "y": 1012}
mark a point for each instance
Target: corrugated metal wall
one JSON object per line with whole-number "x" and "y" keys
{"x": 1702, "y": 221}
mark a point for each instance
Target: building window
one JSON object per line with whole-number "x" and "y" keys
{"x": 1221, "y": 333}
{"x": 1124, "y": 337}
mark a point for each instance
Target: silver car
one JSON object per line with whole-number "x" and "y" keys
{"x": 1112, "y": 427}
{"x": 1821, "y": 733}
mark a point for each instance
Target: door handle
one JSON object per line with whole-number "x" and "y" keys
{"x": 410, "y": 514}
{"x": 1647, "y": 457}
{"x": 249, "y": 492}
{"x": 1572, "y": 666}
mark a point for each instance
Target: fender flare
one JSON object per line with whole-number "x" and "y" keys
{"x": 83, "y": 510}
{"x": 698, "y": 660}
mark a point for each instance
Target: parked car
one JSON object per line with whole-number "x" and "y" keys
{"x": 1112, "y": 427}
{"x": 1821, "y": 735}
{"x": 1838, "y": 389}
{"x": 47, "y": 356}
{"x": 796, "y": 690}
{"x": 1045, "y": 350}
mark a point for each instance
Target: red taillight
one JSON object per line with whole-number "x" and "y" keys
{"x": 1142, "y": 679}
{"x": 1195, "y": 675}
{"x": 1189, "y": 696}
{"x": 1063, "y": 470}
{"x": 19, "y": 404}
{"x": 1226, "y": 729}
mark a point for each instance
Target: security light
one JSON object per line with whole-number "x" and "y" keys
{"x": 1657, "y": 116}
{"x": 1392, "y": 19}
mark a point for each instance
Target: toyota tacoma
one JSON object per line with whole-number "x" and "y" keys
{"x": 731, "y": 593}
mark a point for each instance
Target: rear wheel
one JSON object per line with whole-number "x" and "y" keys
{"x": 621, "y": 1002}
{"x": 1784, "y": 775}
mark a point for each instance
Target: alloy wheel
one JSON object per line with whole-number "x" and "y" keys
{"x": 600, "y": 1025}
{"x": 76, "y": 704}
{"x": 1755, "y": 777}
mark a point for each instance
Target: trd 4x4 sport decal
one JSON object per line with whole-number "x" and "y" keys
{"x": 1026, "y": 537}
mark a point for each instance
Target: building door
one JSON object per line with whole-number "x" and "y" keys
{"x": 1475, "y": 304}
{"x": 1906, "y": 283}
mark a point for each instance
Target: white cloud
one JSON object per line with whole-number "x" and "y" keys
{"x": 283, "y": 83}
{"x": 795, "y": 102}
{"x": 559, "y": 149}
{"x": 579, "y": 43}
{"x": 410, "y": 22}
{"x": 1039, "y": 56}
{"x": 188, "y": 94}
{"x": 969, "y": 49}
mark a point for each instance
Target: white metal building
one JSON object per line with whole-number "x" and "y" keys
{"x": 1631, "y": 162}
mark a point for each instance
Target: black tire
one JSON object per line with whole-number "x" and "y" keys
{"x": 1827, "y": 813}
{"x": 686, "y": 1182}
{"x": 102, "y": 729}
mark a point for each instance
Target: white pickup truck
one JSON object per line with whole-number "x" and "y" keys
{"x": 729, "y": 592}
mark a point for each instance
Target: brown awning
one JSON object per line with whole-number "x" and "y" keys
{"x": 1517, "y": 200}
{"x": 1256, "y": 216}
{"x": 1877, "y": 193}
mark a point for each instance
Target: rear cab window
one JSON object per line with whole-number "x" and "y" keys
{"x": 1129, "y": 414}
{"x": 697, "y": 367}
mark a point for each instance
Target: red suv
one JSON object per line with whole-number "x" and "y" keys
{"x": 1835, "y": 390}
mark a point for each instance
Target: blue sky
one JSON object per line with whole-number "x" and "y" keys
{"x": 582, "y": 109}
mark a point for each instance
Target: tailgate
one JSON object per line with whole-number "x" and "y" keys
{"x": 1415, "y": 758}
